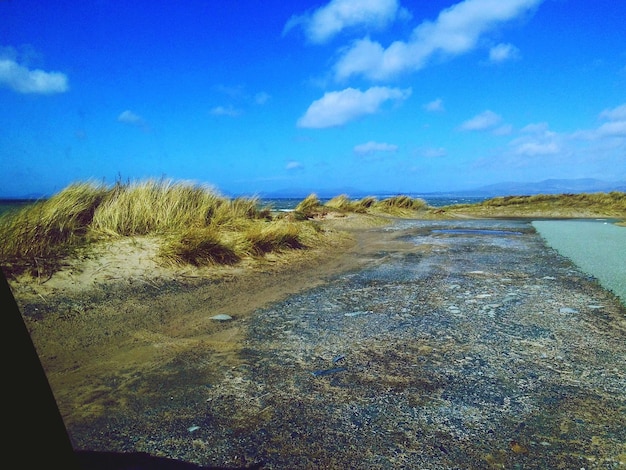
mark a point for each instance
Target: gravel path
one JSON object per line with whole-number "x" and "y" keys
{"x": 471, "y": 346}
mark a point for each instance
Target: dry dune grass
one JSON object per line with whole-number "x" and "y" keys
{"x": 196, "y": 225}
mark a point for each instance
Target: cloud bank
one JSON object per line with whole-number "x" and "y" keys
{"x": 326, "y": 22}
{"x": 23, "y": 80}
{"x": 456, "y": 31}
{"x": 336, "y": 108}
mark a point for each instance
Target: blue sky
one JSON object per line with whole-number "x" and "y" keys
{"x": 256, "y": 96}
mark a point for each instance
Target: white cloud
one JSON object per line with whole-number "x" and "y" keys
{"x": 533, "y": 149}
{"x": 481, "y": 122}
{"x": 455, "y": 31}
{"x": 229, "y": 111}
{"x": 537, "y": 139}
{"x": 23, "y": 80}
{"x": 614, "y": 114}
{"x": 615, "y": 127}
{"x": 503, "y": 52}
{"x": 128, "y": 117}
{"x": 326, "y": 22}
{"x": 339, "y": 107}
{"x": 374, "y": 147}
{"x": 435, "y": 106}
{"x": 293, "y": 166}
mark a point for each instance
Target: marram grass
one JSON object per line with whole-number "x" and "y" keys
{"x": 196, "y": 225}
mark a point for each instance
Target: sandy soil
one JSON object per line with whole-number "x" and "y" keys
{"x": 116, "y": 313}
{"x": 132, "y": 354}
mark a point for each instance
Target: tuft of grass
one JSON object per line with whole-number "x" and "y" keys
{"x": 262, "y": 238}
{"x": 194, "y": 223}
{"x": 342, "y": 203}
{"x": 399, "y": 205}
{"x": 309, "y": 207}
{"x": 363, "y": 205}
{"x": 199, "y": 246}
{"x": 157, "y": 207}
{"x": 36, "y": 236}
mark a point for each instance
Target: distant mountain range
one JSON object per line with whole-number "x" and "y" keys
{"x": 549, "y": 186}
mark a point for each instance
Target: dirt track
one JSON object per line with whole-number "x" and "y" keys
{"x": 412, "y": 348}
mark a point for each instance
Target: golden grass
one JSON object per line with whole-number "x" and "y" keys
{"x": 196, "y": 225}
{"x": 309, "y": 207}
{"x": 548, "y": 205}
{"x": 47, "y": 230}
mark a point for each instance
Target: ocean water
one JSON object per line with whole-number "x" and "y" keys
{"x": 598, "y": 247}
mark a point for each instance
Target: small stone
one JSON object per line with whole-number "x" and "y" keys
{"x": 221, "y": 317}
{"x": 354, "y": 314}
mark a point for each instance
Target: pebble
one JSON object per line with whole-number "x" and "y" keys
{"x": 221, "y": 317}
{"x": 354, "y": 314}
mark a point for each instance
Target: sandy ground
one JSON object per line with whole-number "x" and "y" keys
{"x": 115, "y": 313}
{"x": 121, "y": 336}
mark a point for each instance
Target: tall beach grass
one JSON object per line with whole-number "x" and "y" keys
{"x": 195, "y": 224}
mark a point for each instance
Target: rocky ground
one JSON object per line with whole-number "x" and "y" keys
{"x": 455, "y": 344}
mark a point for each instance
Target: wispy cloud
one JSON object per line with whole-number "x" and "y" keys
{"x": 336, "y": 108}
{"x": 482, "y": 122}
{"x": 537, "y": 140}
{"x": 432, "y": 152}
{"x": 229, "y": 111}
{"x": 614, "y": 127}
{"x": 326, "y": 22}
{"x": 294, "y": 166}
{"x": 456, "y": 31}
{"x": 435, "y": 106}
{"x": 615, "y": 114}
{"x": 262, "y": 98}
{"x": 503, "y": 52}
{"x": 371, "y": 147}
{"x": 132, "y": 119}
{"x": 21, "y": 79}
